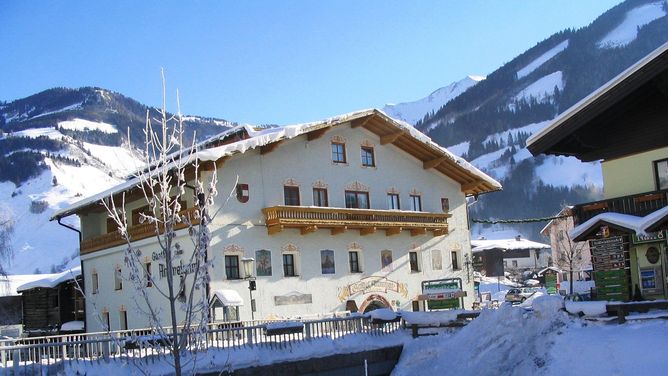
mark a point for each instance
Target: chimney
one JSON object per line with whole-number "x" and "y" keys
{"x": 518, "y": 237}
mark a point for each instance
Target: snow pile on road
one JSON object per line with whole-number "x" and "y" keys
{"x": 507, "y": 341}
{"x": 434, "y": 318}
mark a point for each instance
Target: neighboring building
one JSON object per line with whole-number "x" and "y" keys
{"x": 351, "y": 213}
{"x": 518, "y": 255}
{"x": 623, "y": 124}
{"x": 567, "y": 254}
{"x": 51, "y": 302}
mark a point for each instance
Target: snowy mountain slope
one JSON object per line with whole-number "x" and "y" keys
{"x": 411, "y": 112}
{"x": 542, "y": 59}
{"x": 635, "y": 19}
{"x": 542, "y": 89}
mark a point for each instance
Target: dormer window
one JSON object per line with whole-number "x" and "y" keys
{"x": 338, "y": 152}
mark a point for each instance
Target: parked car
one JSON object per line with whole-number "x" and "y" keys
{"x": 520, "y": 294}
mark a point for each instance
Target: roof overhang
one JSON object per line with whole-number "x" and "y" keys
{"x": 390, "y": 131}
{"x": 627, "y": 115}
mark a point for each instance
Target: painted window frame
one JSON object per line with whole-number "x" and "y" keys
{"x": 288, "y": 192}
{"x": 354, "y": 265}
{"x": 286, "y": 271}
{"x": 231, "y": 268}
{"x": 416, "y": 202}
{"x": 338, "y": 150}
{"x": 413, "y": 260}
{"x": 357, "y": 201}
{"x": 320, "y": 194}
{"x": 390, "y": 201}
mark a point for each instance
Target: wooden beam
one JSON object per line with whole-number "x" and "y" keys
{"x": 472, "y": 185}
{"x": 367, "y": 230}
{"x": 339, "y": 230}
{"x": 316, "y": 133}
{"x": 274, "y": 229}
{"x": 308, "y": 229}
{"x": 269, "y": 147}
{"x": 433, "y": 163}
{"x": 439, "y": 232}
{"x": 392, "y": 231}
{"x": 206, "y": 166}
{"x": 357, "y": 123}
{"x": 221, "y": 161}
{"x": 390, "y": 138}
{"x": 418, "y": 231}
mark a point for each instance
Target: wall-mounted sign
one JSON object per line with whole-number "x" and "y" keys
{"x": 373, "y": 284}
{"x": 652, "y": 255}
{"x": 243, "y": 193}
{"x": 649, "y": 237}
{"x": 180, "y": 270}
{"x": 291, "y": 298}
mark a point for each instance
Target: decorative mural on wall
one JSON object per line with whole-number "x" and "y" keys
{"x": 372, "y": 284}
{"x": 386, "y": 260}
{"x": 327, "y": 261}
{"x": 436, "y": 259}
{"x": 263, "y": 263}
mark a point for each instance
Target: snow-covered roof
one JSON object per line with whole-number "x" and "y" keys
{"x": 228, "y": 298}
{"x": 72, "y": 326}
{"x": 554, "y": 269}
{"x": 9, "y": 284}
{"x": 639, "y": 225}
{"x": 259, "y": 138}
{"x": 506, "y": 244}
{"x": 51, "y": 280}
{"x": 564, "y": 211}
{"x": 588, "y": 100}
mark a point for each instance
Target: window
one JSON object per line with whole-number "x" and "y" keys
{"x": 320, "y": 197}
{"x": 455, "y": 261}
{"x": 289, "y": 265}
{"x": 393, "y": 201}
{"x": 338, "y": 152}
{"x": 291, "y": 195}
{"x": 413, "y": 258}
{"x": 118, "y": 279}
{"x": 54, "y": 300}
{"x": 514, "y": 263}
{"x": 355, "y": 199}
{"x": 232, "y": 267}
{"x": 95, "y": 283}
{"x": 123, "y": 319}
{"x": 505, "y": 263}
{"x": 367, "y": 157}
{"x": 661, "y": 172}
{"x": 327, "y": 264}
{"x": 354, "y": 260}
{"x": 147, "y": 274}
{"x": 416, "y": 203}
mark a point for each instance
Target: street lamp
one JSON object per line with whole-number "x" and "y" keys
{"x": 249, "y": 266}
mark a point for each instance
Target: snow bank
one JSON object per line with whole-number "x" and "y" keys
{"x": 592, "y": 308}
{"x": 385, "y": 314}
{"x": 547, "y": 305}
{"x": 72, "y": 325}
{"x": 507, "y": 341}
{"x": 435, "y": 318}
{"x": 635, "y": 19}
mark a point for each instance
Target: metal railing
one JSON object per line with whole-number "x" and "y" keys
{"x": 31, "y": 355}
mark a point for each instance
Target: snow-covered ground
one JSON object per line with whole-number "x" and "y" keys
{"x": 551, "y": 172}
{"x": 636, "y": 18}
{"x": 539, "y": 339}
{"x": 542, "y": 59}
{"x": 82, "y": 125}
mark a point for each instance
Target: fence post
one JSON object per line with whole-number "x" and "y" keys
{"x": 249, "y": 336}
{"x": 16, "y": 360}
{"x": 105, "y": 349}
{"x": 307, "y": 331}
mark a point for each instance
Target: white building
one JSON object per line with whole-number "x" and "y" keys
{"x": 351, "y": 212}
{"x": 518, "y": 254}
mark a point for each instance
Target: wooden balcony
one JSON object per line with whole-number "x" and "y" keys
{"x": 138, "y": 232}
{"x": 366, "y": 221}
{"x": 639, "y": 205}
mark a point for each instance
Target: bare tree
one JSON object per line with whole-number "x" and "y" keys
{"x": 180, "y": 312}
{"x": 570, "y": 254}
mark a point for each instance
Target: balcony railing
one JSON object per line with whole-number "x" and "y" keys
{"x": 367, "y": 221}
{"x": 638, "y": 205}
{"x": 137, "y": 232}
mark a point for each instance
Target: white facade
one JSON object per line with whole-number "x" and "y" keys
{"x": 240, "y": 230}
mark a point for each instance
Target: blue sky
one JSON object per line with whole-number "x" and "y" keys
{"x": 271, "y": 62}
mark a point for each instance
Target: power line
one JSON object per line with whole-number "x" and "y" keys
{"x": 526, "y": 220}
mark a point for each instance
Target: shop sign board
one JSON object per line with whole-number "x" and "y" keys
{"x": 608, "y": 254}
{"x": 443, "y": 294}
{"x": 650, "y": 237}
